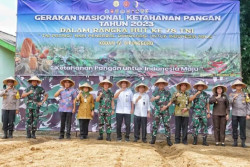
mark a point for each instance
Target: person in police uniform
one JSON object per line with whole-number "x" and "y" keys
{"x": 10, "y": 106}
{"x": 240, "y": 111}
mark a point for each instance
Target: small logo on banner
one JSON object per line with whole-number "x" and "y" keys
{"x": 136, "y": 4}
{"x": 126, "y": 3}
{"x": 122, "y": 11}
{"x": 116, "y": 3}
{"x": 106, "y": 11}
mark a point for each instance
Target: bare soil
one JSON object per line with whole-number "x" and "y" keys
{"x": 47, "y": 151}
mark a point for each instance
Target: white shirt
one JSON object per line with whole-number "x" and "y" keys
{"x": 124, "y": 101}
{"x": 142, "y": 106}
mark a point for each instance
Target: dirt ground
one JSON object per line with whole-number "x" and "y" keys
{"x": 49, "y": 151}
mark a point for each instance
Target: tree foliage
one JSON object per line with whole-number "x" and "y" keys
{"x": 245, "y": 39}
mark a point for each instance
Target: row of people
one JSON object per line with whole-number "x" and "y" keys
{"x": 137, "y": 104}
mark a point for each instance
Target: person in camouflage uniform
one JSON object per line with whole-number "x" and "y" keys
{"x": 34, "y": 94}
{"x": 201, "y": 111}
{"x": 106, "y": 108}
{"x": 161, "y": 97}
{"x": 181, "y": 111}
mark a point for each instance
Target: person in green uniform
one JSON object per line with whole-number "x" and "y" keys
{"x": 161, "y": 97}
{"x": 181, "y": 111}
{"x": 201, "y": 111}
{"x": 106, "y": 108}
{"x": 36, "y": 96}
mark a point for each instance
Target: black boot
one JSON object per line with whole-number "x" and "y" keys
{"x": 100, "y": 137}
{"x": 10, "y": 134}
{"x": 169, "y": 141}
{"x": 61, "y": 137}
{"x": 28, "y": 134}
{"x": 195, "y": 140}
{"x": 5, "y": 135}
{"x": 153, "y": 140}
{"x": 205, "y": 141}
{"x": 33, "y": 134}
{"x": 235, "y": 143}
{"x": 243, "y": 143}
{"x": 108, "y": 137}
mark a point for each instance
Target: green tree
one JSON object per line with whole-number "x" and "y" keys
{"x": 245, "y": 39}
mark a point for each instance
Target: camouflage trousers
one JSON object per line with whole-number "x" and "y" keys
{"x": 32, "y": 116}
{"x": 165, "y": 117}
{"x": 104, "y": 119}
{"x": 199, "y": 121}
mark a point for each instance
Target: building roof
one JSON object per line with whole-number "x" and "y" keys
{"x": 8, "y": 41}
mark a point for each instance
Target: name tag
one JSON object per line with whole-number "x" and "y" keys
{"x": 85, "y": 100}
{"x": 127, "y": 98}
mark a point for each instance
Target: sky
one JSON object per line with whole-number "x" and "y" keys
{"x": 8, "y": 10}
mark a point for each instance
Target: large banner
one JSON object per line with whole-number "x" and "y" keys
{"x": 140, "y": 40}
{"x": 189, "y": 38}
